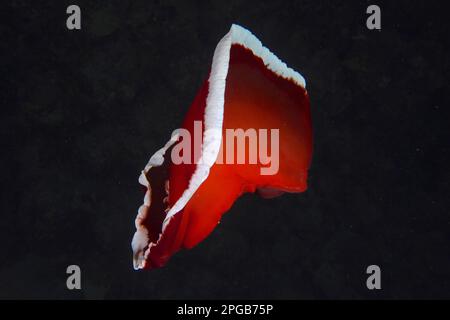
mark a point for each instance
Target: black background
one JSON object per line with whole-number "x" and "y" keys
{"x": 81, "y": 112}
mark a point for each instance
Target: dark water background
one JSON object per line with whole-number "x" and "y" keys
{"x": 81, "y": 112}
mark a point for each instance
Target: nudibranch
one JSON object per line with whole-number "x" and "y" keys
{"x": 248, "y": 89}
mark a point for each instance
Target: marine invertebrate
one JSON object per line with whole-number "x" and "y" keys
{"x": 190, "y": 185}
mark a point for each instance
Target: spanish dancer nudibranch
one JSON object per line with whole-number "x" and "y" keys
{"x": 248, "y": 88}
